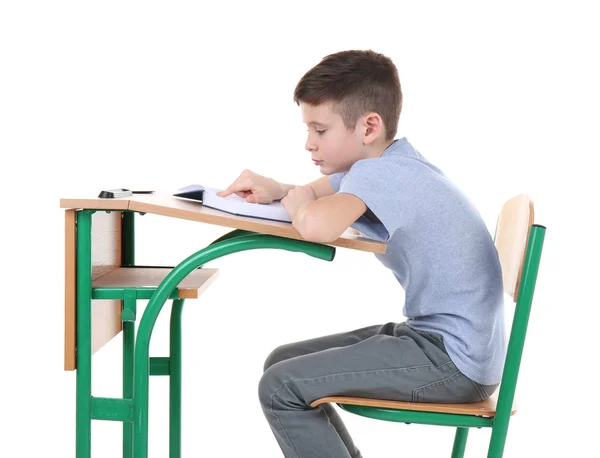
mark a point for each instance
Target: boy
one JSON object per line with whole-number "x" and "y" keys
{"x": 452, "y": 346}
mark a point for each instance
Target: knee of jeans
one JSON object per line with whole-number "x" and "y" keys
{"x": 275, "y": 356}
{"x": 277, "y": 389}
{"x": 269, "y": 382}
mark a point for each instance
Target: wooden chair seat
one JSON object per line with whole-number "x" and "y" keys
{"x": 485, "y": 408}
{"x": 150, "y": 277}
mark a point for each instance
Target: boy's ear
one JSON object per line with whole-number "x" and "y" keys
{"x": 373, "y": 127}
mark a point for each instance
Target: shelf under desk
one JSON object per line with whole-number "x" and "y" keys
{"x": 150, "y": 278}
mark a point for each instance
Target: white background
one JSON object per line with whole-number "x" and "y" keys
{"x": 99, "y": 95}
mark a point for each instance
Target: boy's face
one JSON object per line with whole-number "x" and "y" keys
{"x": 333, "y": 147}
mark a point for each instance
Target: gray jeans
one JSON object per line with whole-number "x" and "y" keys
{"x": 390, "y": 361}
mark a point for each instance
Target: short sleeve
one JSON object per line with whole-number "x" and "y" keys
{"x": 335, "y": 179}
{"x": 382, "y": 190}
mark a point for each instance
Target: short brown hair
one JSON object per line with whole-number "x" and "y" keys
{"x": 357, "y": 82}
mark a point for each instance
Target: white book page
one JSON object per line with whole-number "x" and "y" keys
{"x": 238, "y": 206}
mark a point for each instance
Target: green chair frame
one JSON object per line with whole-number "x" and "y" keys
{"x": 525, "y": 285}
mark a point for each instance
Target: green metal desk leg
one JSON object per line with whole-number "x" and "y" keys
{"x": 128, "y": 360}
{"x": 175, "y": 381}
{"x": 128, "y": 355}
{"x": 460, "y": 442}
{"x": 83, "y": 428}
{"x": 128, "y": 259}
{"x": 128, "y": 239}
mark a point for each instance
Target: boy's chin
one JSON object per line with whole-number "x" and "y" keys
{"x": 326, "y": 170}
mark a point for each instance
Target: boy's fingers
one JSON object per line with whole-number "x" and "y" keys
{"x": 225, "y": 192}
{"x": 235, "y": 187}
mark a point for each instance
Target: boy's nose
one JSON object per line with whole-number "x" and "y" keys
{"x": 310, "y": 146}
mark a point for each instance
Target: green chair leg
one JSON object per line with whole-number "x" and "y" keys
{"x": 460, "y": 442}
{"x": 175, "y": 381}
{"x": 497, "y": 441}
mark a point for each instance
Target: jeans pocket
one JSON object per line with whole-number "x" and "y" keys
{"x": 435, "y": 339}
{"x": 455, "y": 388}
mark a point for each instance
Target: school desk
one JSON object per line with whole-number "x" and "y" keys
{"x": 102, "y": 285}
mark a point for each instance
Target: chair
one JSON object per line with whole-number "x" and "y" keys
{"x": 519, "y": 243}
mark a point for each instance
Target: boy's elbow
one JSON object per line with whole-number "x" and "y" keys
{"x": 314, "y": 229}
{"x": 314, "y": 234}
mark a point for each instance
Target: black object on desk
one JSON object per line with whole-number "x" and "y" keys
{"x": 120, "y": 192}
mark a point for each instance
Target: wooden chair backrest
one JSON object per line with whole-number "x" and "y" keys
{"x": 512, "y": 233}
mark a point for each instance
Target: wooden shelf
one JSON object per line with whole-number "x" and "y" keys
{"x": 150, "y": 277}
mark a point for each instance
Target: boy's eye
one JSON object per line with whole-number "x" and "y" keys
{"x": 320, "y": 132}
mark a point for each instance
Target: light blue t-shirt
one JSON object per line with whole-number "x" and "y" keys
{"x": 440, "y": 251}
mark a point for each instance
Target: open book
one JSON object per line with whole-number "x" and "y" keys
{"x": 233, "y": 203}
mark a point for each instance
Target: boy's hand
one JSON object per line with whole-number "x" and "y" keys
{"x": 296, "y": 197}
{"x": 254, "y": 188}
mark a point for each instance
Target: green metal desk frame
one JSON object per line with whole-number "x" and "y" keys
{"x": 138, "y": 366}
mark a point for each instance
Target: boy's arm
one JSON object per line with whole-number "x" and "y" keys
{"x": 322, "y": 188}
{"x": 326, "y": 219}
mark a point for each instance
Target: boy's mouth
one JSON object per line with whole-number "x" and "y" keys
{"x": 317, "y": 162}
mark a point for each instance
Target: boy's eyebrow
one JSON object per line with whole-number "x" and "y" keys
{"x": 315, "y": 123}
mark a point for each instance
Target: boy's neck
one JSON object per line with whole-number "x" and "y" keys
{"x": 377, "y": 149}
